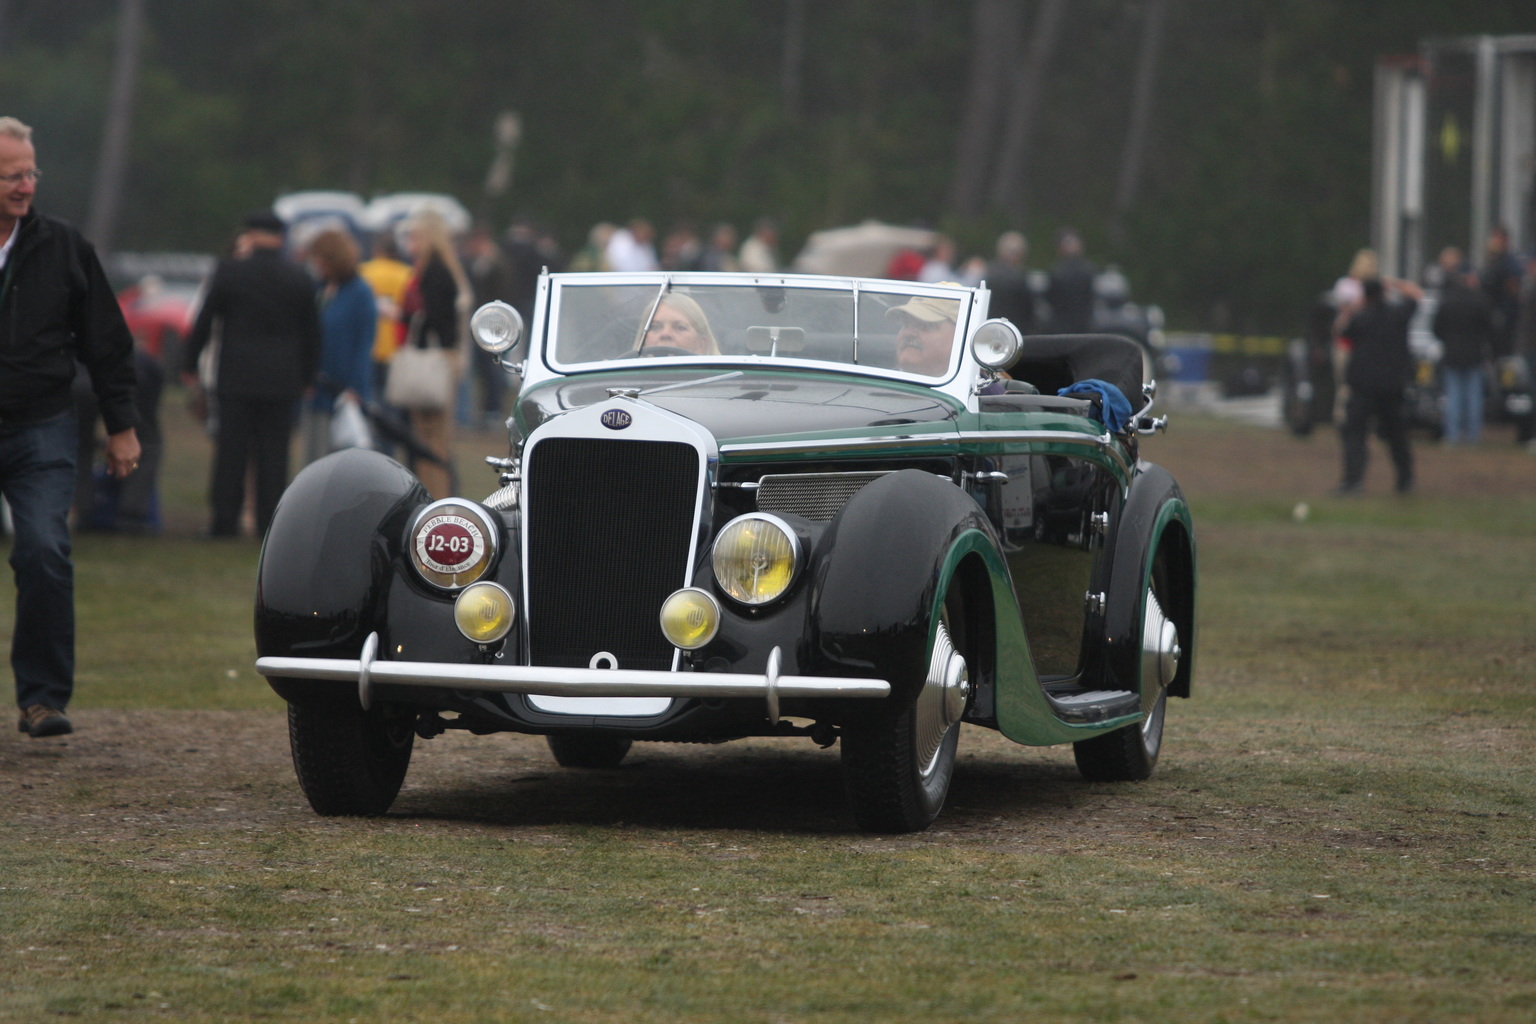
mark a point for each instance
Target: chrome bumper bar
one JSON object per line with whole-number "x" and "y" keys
{"x": 370, "y": 673}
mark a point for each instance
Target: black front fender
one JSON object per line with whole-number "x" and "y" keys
{"x": 877, "y": 586}
{"x": 326, "y": 560}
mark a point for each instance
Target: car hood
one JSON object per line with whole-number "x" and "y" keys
{"x": 755, "y": 406}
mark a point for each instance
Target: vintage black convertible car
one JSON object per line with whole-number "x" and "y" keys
{"x": 736, "y": 506}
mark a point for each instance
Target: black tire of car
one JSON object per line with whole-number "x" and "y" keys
{"x": 350, "y": 762}
{"x": 588, "y": 751}
{"x": 1130, "y": 754}
{"x": 888, "y": 787}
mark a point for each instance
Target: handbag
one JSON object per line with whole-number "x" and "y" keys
{"x": 420, "y": 378}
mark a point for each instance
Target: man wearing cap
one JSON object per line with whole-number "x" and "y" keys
{"x": 925, "y": 333}
{"x": 262, "y": 309}
{"x": 55, "y": 306}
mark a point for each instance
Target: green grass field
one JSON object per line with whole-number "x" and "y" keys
{"x": 1341, "y": 826}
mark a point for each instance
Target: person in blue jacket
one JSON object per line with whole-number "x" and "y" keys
{"x": 348, "y": 325}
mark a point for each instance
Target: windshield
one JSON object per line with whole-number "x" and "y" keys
{"x": 906, "y": 331}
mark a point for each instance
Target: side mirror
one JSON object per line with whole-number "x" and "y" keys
{"x": 496, "y": 327}
{"x": 996, "y": 344}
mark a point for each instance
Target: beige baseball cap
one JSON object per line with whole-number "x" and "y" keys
{"x": 927, "y": 310}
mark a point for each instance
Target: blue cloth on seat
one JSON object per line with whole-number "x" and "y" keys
{"x": 1115, "y": 407}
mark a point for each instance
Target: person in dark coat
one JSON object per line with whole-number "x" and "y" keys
{"x": 262, "y": 309}
{"x": 1500, "y": 279}
{"x": 55, "y": 307}
{"x": 1070, "y": 292}
{"x": 1379, "y": 368}
{"x": 1464, "y": 324}
{"x": 1008, "y": 280}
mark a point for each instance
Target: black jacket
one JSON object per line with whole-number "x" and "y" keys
{"x": 1070, "y": 294}
{"x": 268, "y": 327}
{"x": 1379, "y": 359}
{"x": 56, "y": 306}
{"x": 1464, "y": 324}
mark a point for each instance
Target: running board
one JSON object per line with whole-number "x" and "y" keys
{"x": 1088, "y": 706}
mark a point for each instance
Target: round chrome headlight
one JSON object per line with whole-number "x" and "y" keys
{"x": 996, "y": 344}
{"x": 755, "y": 557}
{"x": 496, "y": 327}
{"x": 453, "y": 543}
{"x": 484, "y": 612}
{"x": 690, "y": 618}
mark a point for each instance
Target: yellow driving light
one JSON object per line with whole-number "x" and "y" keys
{"x": 755, "y": 557}
{"x": 690, "y": 618}
{"x": 484, "y": 612}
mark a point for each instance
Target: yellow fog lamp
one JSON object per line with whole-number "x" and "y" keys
{"x": 484, "y": 612}
{"x": 690, "y": 618}
{"x": 755, "y": 557}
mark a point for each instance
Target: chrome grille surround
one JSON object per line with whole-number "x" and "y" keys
{"x": 611, "y": 523}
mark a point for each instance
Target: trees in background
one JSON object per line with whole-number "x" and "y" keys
{"x": 1218, "y": 150}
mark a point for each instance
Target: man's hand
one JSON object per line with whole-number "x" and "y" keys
{"x": 122, "y": 453}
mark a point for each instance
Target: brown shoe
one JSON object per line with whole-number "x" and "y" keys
{"x": 40, "y": 720}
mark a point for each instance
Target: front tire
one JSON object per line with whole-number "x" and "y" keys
{"x": 350, "y": 762}
{"x": 897, "y": 771}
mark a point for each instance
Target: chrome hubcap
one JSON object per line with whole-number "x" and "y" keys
{"x": 942, "y": 700}
{"x": 1160, "y": 654}
{"x": 1160, "y": 651}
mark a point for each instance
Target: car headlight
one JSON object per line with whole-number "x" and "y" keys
{"x": 496, "y": 327}
{"x": 452, "y": 543}
{"x": 484, "y": 612}
{"x": 690, "y": 618}
{"x": 755, "y": 557}
{"x": 996, "y": 344}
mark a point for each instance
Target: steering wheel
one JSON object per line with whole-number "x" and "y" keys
{"x": 650, "y": 351}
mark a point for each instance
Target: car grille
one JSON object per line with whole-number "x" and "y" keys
{"x": 610, "y": 524}
{"x": 816, "y": 496}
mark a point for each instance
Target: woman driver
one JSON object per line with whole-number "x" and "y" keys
{"x": 678, "y": 323}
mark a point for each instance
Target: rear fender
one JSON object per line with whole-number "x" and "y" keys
{"x": 1155, "y": 515}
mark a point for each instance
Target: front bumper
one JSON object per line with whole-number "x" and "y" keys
{"x": 369, "y": 673}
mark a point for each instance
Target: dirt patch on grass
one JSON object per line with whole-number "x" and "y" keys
{"x": 167, "y": 779}
{"x": 133, "y": 774}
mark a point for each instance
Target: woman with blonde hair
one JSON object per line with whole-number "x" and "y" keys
{"x": 678, "y": 323}
{"x": 1349, "y": 290}
{"x": 435, "y": 313}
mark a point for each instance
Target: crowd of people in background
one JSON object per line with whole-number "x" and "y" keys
{"x": 1484, "y": 316}
{"x": 418, "y": 284}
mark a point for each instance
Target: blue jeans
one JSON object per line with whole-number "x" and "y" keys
{"x": 37, "y": 477}
{"x": 1463, "y": 386}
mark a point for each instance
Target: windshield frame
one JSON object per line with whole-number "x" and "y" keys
{"x": 970, "y": 309}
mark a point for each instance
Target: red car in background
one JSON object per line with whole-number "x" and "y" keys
{"x": 159, "y": 294}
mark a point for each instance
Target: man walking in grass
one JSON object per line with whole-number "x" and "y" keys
{"x": 55, "y": 307}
